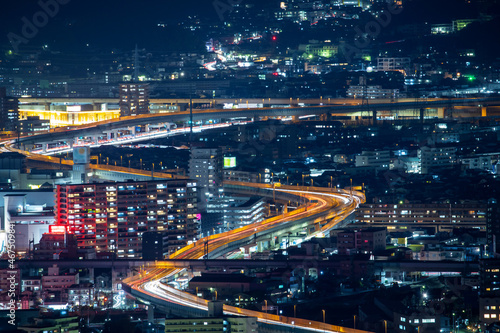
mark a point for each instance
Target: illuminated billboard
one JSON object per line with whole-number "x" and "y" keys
{"x": 229, "y": 162}
{"x": 81, "y": 155}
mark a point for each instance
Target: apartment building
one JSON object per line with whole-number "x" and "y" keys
{"x": 112, "y": 216}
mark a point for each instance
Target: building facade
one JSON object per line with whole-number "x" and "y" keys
{"x": 378, "y": 159}
{"x": 134, "y": 99}
{"x": 373, "y": 92}
{"x": 364, "y": 240}
{"x": 206, "y": 167}
{"x": 432, "y": 217}
{"x": 9, "y": 112}
{"x": 223, "y": 324}
{"x": 33, "y": 125}
{"x": 112, "y": 216}
{"x": 393, "y": 64}
{"x": 432, "y": 158}
{"x": 489, "y": 294}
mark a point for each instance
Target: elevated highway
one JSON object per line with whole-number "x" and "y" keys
{"x": 241, "y": 101}
{"x": 346, "y": 108}
{"x": 330, "y": 208}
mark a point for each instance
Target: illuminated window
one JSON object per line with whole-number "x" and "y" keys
{"x": 486, "y": 315}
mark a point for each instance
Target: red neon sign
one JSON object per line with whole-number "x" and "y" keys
{"x": 57, "y": 229}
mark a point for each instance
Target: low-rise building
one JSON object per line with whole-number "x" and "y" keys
{"x": 434, "y": 158}
{"x": 364, "y": 240}
{"x": 430, "y": 217}
{"x": 53, "y": 322}
{"x": 373, "y": 92}
{"x": 33, "y": 125}
{"x": 378, "y": 159}
{"x": 223, "y": 324}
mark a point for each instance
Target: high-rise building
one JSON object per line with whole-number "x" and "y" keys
{"x": 112, "y": 216}
{"x": 489, "y": 292}
{"x": 493, "y": 226}
{"x": 154, "y": 245}
{"x": 134, "y": 99}
{"x": 205, "y": 166}
{"x": 9, "y": 111}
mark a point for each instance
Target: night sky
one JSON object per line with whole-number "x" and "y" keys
{"x": 121, "y": 24}
{"x": 114, "y": 23}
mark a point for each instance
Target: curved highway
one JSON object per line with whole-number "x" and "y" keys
{"x": 324, "y": 207}
{"x": 324, "y": 210}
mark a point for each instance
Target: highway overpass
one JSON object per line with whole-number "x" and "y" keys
{"x": 221, "y": 115}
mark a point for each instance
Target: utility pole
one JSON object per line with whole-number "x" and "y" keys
{"x": 191, "y": 116}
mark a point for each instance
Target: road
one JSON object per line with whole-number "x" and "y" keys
{"x": 325, "y": 209}
{"x": 323, "y": 206}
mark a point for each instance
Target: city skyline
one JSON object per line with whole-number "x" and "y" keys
{"x": 250, "y": 166}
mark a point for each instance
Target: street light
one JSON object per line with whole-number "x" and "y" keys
{"x": 121, "y": 160}
{"x": 141, "y": 163}
{"x": 265, "y": 301}
{"x": 354, "y": 321}
{"x": 323, "y": 316}
{"x": 295, "y": 311}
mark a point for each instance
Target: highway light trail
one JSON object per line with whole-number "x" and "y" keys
{"x": 324, "y": 205}
{"x": 324, "y": 208}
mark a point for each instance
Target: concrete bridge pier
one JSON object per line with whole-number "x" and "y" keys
{"x": 112, "y": 134}
{"x": 28, "y": 146}
{"x": 151, "y": 314}
{"x": 262, "y": 245}
{"x": 272, "y": 242}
